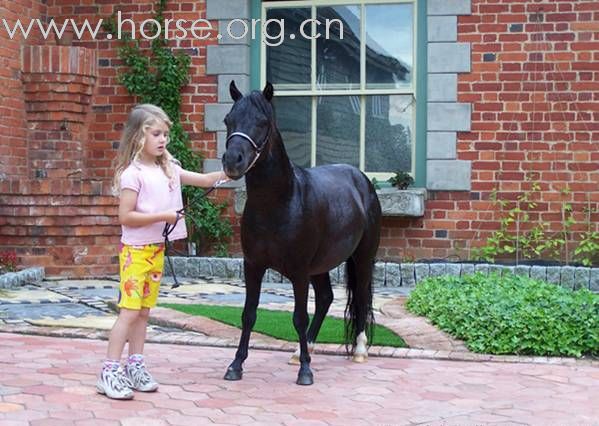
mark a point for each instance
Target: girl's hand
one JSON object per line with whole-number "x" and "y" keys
{"x": 170, "y": 217}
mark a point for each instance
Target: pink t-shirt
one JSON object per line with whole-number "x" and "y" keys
{"x": 154, "y": 194}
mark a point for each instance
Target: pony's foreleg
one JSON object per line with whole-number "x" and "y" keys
{"x": 300, "y": 321}
{"x": 253, "y": 283}
{"x": 323, "y": 295}
{"x": 361, "y": 350}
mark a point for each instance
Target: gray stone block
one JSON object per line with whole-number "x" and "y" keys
{"x": 509, "y": 270}
{"x": 448, "y": 116}
{"x": 342, "y": 274}
{"x": 378, "y": 275}
{"x": 453, "y": 269}
{"x": 553, "y": 275}
{"x": 582, "y": 278}
{"x": 538, "y": 272}
{"x": 221, "y": 144}
{"x": 233, "y": 267}
{"x": 235, "y": 31}
{"x": 467, "y": 269}
{"x": 193, "y": 267}
{"x": 9, "y": 280}
{"x": 242, "y": 82}
{"x": 483, "y": 268}
{"x": 495, "y": 269}
{"x": 449, "y": 57}
{"x": 205, "y": 266}
{"x": 422, "y": 271}
{"x": 594, "y": 280}
{"x": 441, "y": 145}
{"x": 437, "y": 269}
{"x": 442, "y": 87}
{"x": 227, "y": 59}
{"x": 228, "y": 9}
{"x": 392, "y": 275}
{"x": 523, "y": 270}
{"x": 452, "y": 175}
{"x": 214, "y": 114}
{"x": 449, "y": 7}
{"x": 219, "y": 268}
{"x": 408, "y": 275}
{"x": 443, "y": 28}
{"x": 407, "y": 202}
{"x": 568, "y": 277}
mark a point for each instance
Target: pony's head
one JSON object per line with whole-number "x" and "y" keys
{"x": 249, "y": 127}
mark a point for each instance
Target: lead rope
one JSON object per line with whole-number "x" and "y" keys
{"x": 169, "y": 228}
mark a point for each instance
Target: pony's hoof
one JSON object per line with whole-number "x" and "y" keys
{"x": 305, "y": 379}
{"x": 232, "y": 374}
{"x": 294, "y": 360}
{"x": 360, "y": 358}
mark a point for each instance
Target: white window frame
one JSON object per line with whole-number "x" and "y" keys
{"x": 362, "y": 92}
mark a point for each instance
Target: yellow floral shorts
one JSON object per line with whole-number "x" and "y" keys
{"x": 141, "y": 271}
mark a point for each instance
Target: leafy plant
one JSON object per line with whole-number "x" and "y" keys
{"x": 401, "y": 180}
{"x": 8, "y": 261}
{"x": 376, "y": 183}
{"x": 158, "y": 78}
{"x": 588, "y": 247}
{"x": 511, "y": 314}
{"x": 512, "y": 239}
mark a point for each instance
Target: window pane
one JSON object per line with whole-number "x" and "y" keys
{"x": 294, "y": 119}
{"x": 389, "y": 133}
{"x": 389, "y": 46}
{"x": 288, "y": 65}
{"x": 338, "y": 61}
{"x": 338, "y": 130}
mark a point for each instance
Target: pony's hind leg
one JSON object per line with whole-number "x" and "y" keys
{"x": 359, "y": 305}
{"x": 323, "y": 297}
{"x": 253, "y": 283}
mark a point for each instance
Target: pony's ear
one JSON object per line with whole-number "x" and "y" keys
{"x": 234, "y": 91}
{"x": 268, "y": 91}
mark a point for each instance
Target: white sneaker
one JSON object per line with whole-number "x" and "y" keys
{"x": 140, "y": 378}
{"x": 114, "y": 384}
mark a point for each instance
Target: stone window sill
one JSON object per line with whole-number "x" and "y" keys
{"x": 394, "y": 202}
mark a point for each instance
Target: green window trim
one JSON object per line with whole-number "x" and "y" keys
{"x": 420, "y": 83}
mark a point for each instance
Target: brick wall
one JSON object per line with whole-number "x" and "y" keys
{"x": 534, "y": 95}
{"x": 55, "y": 204}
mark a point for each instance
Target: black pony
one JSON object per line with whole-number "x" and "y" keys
{"x": 301, "y": 223}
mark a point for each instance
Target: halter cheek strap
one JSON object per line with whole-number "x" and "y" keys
{"x": 258, "y": 150}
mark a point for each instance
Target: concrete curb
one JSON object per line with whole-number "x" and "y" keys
{"x": 16, "y": 279}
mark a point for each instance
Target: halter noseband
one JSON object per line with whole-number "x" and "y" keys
{"x": 257, "y": 150}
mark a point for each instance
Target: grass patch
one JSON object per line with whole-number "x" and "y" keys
{"x": 511, "y": 314}
{"x": 279, "y": 324}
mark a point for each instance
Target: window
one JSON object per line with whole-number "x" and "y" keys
{"x": 347, "y": 99}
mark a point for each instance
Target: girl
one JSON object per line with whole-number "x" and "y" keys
{"x": 148, "y": 180}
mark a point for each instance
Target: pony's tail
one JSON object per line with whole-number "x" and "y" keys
{"x": 358, "y": 311}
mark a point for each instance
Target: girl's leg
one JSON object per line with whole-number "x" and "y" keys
{"x": 137, "y": 332}
{"x": 121, "y": 330}
{"x": 113, "y": 381}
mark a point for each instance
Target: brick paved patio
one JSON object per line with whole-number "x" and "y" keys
{"x": 50, "y": 381}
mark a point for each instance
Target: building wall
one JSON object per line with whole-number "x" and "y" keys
{"x": 533, "y": 91}
{"x": 530, "y": 84}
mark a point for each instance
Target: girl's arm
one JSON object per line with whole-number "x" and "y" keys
{"x": 129, "y": 217}
{"x": 204, "y": 180}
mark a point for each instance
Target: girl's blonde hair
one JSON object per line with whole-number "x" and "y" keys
{"x": 132, "y": 141}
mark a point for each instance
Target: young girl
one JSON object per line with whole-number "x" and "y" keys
{"x": 148, "y": 180}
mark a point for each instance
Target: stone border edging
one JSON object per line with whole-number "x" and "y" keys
{"x": 338, "y": 350}
{"x": 15, "y": 279}
{"x": 390, "y": 274}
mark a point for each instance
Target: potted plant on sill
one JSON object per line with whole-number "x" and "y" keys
{"x": 402, "y": 180}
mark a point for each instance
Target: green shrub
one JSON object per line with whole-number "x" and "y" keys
{"x": 511, "y": 314}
